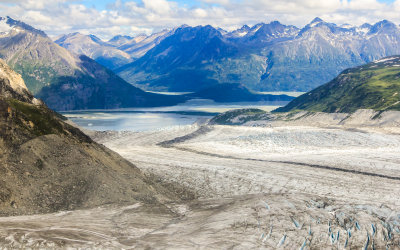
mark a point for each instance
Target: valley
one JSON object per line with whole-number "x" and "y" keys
{"x": 286, "y": 184}
{"x": 268, "y": 136}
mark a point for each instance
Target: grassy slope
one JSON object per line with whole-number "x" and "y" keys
{"x": 372, "y": 86}
{"x": 239, "y": 116}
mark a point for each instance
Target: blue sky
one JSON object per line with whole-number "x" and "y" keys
{"x": 106, "y": 18}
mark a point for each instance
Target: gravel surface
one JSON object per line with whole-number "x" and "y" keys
{"x": 294, "y": 187}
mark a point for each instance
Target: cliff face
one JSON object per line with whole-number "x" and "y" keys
{"x": 47, "y": 165}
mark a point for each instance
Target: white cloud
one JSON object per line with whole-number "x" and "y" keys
{"x": 158, "y": 6}
{"x": 396, "y": 5}
{"x": 132, "y": 17}
{"x": 220, "y": 2}
{"x": 200, "y": 13}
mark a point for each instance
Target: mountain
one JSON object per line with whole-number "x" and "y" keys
{"x": 138, "y": 46}
{"x": 239, "y": 32}
{"x": 64, "y": 80}
{"x": 118, "y": 40}
{"x": 116, "y": 52}
{"x": 231, "y": 92}
{"x": 372, "y": 86}
{"x": 93, "y": 47}
{"x": 265, "y": 57}
{"x": 48, "y": 165}
{"x": 179, "y": 62}
{"x": 262, "y": 34}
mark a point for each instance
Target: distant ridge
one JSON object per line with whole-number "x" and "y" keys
{"x": 93, "y": 47}
{"x": 265, "y": 57}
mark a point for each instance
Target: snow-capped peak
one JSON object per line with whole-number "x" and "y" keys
{"x": 315, "y": 22}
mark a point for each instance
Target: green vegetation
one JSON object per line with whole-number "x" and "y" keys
{"x": 239, "y": 116}
{"x": 35, "y": 75}
{"x": 373, "y": 86}
{"x": 39, "y": 120}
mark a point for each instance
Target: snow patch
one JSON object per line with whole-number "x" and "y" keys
{"x": 313, "y": 24}
{"x": 385, "y": 59}
{"x": 362, "y": 30}
{"x": 241, "y": 34}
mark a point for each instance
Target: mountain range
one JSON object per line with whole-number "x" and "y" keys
{"x": 91, "y": 46}
{"x": 82, "y": 72}
{"x": 264, "y": 57}
{"x": 116, "y": 52}
{"x": 65, "y": 80}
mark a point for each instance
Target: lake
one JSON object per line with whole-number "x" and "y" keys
{"x": 145, "y": 119}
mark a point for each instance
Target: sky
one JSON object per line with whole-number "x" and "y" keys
{"x": 106, "y": 18}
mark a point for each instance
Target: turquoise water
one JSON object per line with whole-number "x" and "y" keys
{"x": 145, "y": 119}
{"x": 131, "y": 120}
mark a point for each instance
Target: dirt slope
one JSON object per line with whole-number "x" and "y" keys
{"x": 47, "y": 165}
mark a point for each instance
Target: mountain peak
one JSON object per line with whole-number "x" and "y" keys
{"x": 96, "y": 39}
{"x": 8, "y": 23}
{"x": 119, "y": 40}
{"x": 317, "y": 20}
{"x": 319, "y": 23}
{"x": 382, "y": 25}
{"x": 385, "y": 23}
{"x": 366, "y": 25}
{"x": 275, "y": 23}
{"x": 244, "y": 30}
{"x": 183, "y": 26}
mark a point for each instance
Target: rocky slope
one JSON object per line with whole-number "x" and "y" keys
{"x": 265, "y": 57}
{"x": 372, "y": 86}
{"x": 47, "y": 165}
{"x": 64, "y": 80}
